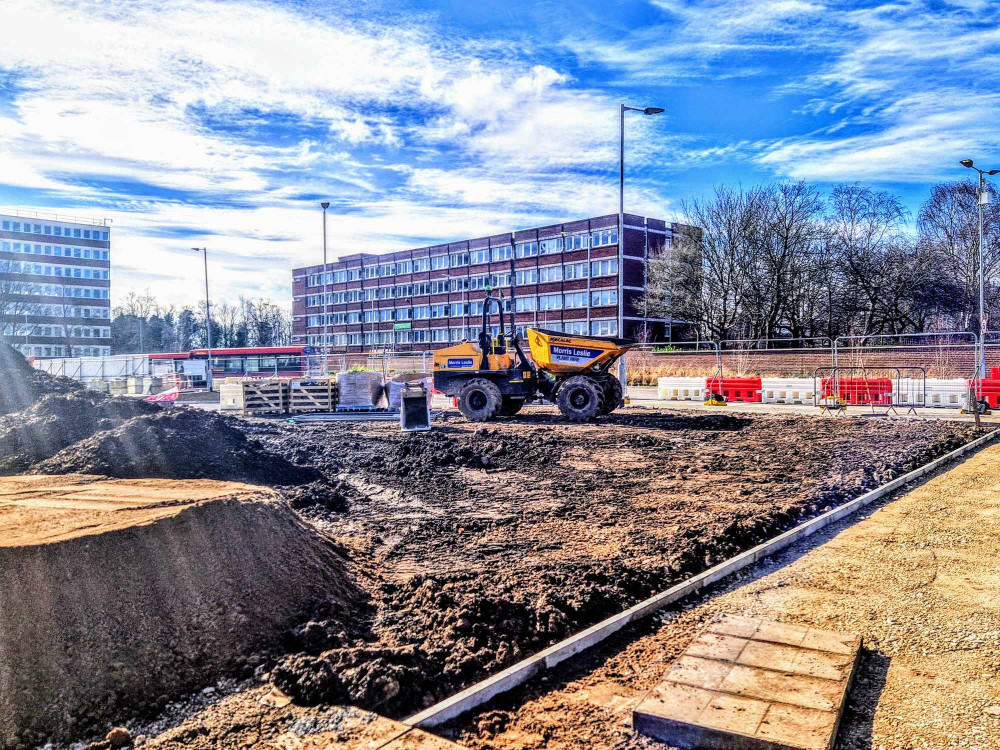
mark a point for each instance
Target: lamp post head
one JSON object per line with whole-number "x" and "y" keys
{"x": 993, "y": 172}
{"x": 325, "y": 205}
{"x": 967, "y": 163}
{"x": 652, "y": 110}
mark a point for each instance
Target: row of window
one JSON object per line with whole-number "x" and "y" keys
{"x": 526, "y": 276}
{"x": 76, "y": 332}
{"x": 69, "y": 272}
{"x": 55, "y": 230}
{"x": 569, "y": 301}
{"x": 470, "y": 258}
{"x": 57, "y": 290}
{"x": 59, "y": 251}
{"x": 66, "y": 311}
{"x": 607, "y": 327}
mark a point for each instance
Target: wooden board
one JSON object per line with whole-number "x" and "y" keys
{"x": 753, "y": 685}
{"x": 312, "y": 395}
{"x": 254, "y": 397}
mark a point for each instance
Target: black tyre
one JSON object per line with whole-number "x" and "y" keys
{"x": 612, "y": 387}
{"x": 479, "y": 400}
{"x": 511, "y": 406}
{"x": 580, "y": 398}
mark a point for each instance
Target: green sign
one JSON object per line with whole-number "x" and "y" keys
{"x": 402, "y": 326}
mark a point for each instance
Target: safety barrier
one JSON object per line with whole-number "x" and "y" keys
{"x": 859, "y": 391}
{"x": 787, "y": 391}
{"x": 745, "y": 390}
{"x": 905, "y": 391}
{"x": 680, "y": 389}
{"x": 988, "y": 389}
{"x": 951, "y": 393}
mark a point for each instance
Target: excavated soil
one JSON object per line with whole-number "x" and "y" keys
{"x": 178, "y": 443}
{"x": 490, "y": 543}
{"x": 118, "y": 596}
{"x": 23, "y": 385}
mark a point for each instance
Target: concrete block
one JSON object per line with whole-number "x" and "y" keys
{"x": 754, "y": 685}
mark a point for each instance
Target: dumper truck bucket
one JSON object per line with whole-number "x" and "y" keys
{"x": 414, "y": 408}
{"x": 562, "y": 353}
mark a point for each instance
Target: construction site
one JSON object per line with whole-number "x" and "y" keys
{"x": 560, "y": 575}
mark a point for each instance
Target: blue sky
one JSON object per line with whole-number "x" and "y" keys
{"x": 225, "y": 123}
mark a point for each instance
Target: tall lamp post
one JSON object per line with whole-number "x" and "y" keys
{"x": 326, "y": 344}
{"x": 982, "y": 199}
{"x": 621, "y": 228}
{"x": 208, "y": 318}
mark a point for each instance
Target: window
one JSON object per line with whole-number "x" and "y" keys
{"x": 386, "y": 316}
{"x": 387, "y": 269}
{"x": 501, "y": 279}
{"x": 57, "y": 231}
{"x": 439, "y": 311}
{"x": 371, "y": 272}
{"x": 438, "y": 262}
{"x": 460, "y": 284}
{"x": 479, "y": 256}
{"x": 527, "y": 276}
{"x": 457, "y": 334}
{"x": 602, "y": 297}
{"x": 76, "y": 232}
{"x": 476, "y": 307}
{"x": 439, "y": 287}
{"x": 439, "y": 334}
{"x": 86, "y": 232}
{"x": 575, "y": 300}
{"x": 577, "y": 327}
{"x": 604, "y": 237}
{"x": 575, "y": 271}
{"x": 479, "y": 282}
{"x": 550, "y": 302}
{"x": 458, "y": 309}
{"x": 577, "y": 241}
{"x": 403, "y": 313}
{"x": 404, "y": 267}
{"x": 501, "y": 252}
{"x": 353, "y": 317}
{"x": 421, "y": 264}
{"x": 550, "y": 273}
{"x": 526, "y": 250}
{"x": 525, "y": 304}
{"x": 353, "y": 274}
{"x": 604, "y": 327}
{"x": 422, "y": 313}
{"x": 607, "y": 267}
{"x": 370, "y": 316}
{"x": 554, "y": 245}
{"x": 458, "y": 259}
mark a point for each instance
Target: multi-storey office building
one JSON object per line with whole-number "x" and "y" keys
{"x": 564, "y": 277}
{"x": 55, "y": 284}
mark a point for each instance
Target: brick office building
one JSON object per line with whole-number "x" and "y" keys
{"x": 563, "y": 277}
{"x": 55, "y": 285}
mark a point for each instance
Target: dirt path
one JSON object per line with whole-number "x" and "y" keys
{"x": 917, "y": 578}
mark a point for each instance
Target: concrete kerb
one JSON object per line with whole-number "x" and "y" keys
{"x": 519, "y": 673}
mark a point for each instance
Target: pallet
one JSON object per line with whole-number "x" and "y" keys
{"x": 251, "y": 397}
{"x": 312, "y": 395}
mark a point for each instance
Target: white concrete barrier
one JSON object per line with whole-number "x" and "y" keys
{"x": 787, "y": 390}
{"x": 950, "y": 393}
{"x": 680, "y": 389}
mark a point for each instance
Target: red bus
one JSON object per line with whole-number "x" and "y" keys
{"x": 247, "y": 362}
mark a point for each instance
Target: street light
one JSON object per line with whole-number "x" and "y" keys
{"x": 982, "y": 199}
{"x": 208, "y": 318}
{"x": 621, "y": 227}
{"x": 326, "y": 344}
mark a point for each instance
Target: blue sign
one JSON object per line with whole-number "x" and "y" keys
{"x": 574, "y": 355}
{"x": 460, "y": 363}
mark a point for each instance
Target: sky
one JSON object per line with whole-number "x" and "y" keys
{"x": 224, "y": 124}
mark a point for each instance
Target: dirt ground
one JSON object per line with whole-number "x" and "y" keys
{"x": 478, "y": 546}
{"x": 915, "y": 577}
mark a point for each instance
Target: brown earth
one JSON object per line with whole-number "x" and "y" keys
{"x": 116, "y": 596}
{"x": 21, "y": 385}
{"x": 915, "y": 576}
{"x": 490, "y": 543}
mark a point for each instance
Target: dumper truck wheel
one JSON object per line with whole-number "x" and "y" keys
{"x": 580, "y": 398}
{"x": 612, "y": 393}
{"x": 479, "y": 400}
{"x": 511, "y": 406}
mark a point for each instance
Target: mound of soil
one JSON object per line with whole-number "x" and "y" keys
{"x": 21, "y": 385}
{"x": 117, "y": 596}
{"x": 178, "y": 443}
{"x": 59, "y": 420}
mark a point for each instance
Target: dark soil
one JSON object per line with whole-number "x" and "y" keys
{"x": 21, "y": 385}
{"x": 491, "y": 543}
{"x": 59, "y": 420}
{"x": 177, "y": 443}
